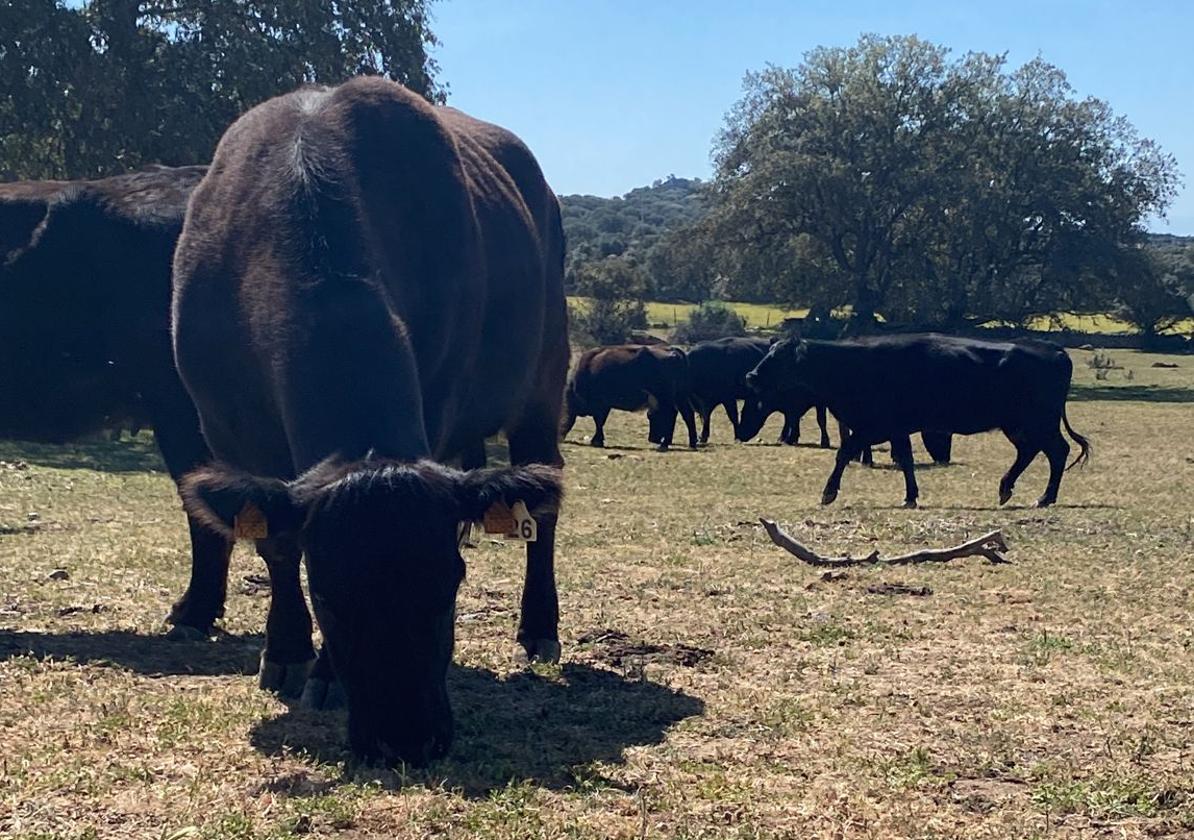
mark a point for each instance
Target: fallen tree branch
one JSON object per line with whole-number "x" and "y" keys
{"x": 988, "y": 545}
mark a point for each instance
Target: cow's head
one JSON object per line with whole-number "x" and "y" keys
{"x": 757, "y": 408}
{"x": 383, "y": 566}
{"x": 780, "y": 369}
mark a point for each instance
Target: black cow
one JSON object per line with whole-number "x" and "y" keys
{"x": 85, "y": 338}
{"x": 887, "y": 388}
{"x": 367, "y": 285}
{"x": 631, "y": 377}
{"x": 717, "y": 377}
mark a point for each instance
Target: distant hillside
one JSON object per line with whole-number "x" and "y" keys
{"x": 604, "y": 227}
{"x": 1169, "y": 242}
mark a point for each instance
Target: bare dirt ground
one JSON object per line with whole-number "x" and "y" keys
{"x": 712, "y": 686}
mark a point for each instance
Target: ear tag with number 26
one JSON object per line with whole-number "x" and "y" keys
{"x": 513, "y": 522}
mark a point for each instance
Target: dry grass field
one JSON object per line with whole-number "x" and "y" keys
{"x": 711, "y": 686}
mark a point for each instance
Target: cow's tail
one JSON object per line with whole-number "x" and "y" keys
{"x": 1082, "y": 442}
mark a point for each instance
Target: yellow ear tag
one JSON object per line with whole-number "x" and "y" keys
{"x": 498, "y": 519}
{"x": 515, "y": 523}
{"x": 250, "y": 524}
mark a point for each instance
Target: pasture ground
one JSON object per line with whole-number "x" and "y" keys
{"x": 711, "y": 687}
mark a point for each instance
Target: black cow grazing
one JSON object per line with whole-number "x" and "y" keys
{"x": 85, "y": 335}
{"x": 366, "y": 286}
{"x": 717, "y": 377}
{"x": 887, "y": 388}
{"x": 631, "y": 377}
{"x": 793, "y": 404}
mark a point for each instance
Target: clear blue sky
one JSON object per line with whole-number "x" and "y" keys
{"x": 613, "y": 94}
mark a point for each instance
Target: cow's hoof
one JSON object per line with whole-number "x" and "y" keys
{"x": 1005, "y": 496}
{"x": 597, "y": 442}
{"x": 539, "y": 650}
{"x": 910, "y": 504}
{"x": 187, "y": 633}
{"x": 661, "y": 448}
{"x": 322, "y": 696}
{"x": 1044, "y": 502}
{"x": 828, "y": 498}
{"x": 283, "y": 678}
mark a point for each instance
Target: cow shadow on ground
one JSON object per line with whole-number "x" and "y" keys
{"x": 151, "y": 655}
{"x": 522, "y": 727}
{"x": 609, "y": 446}
{"x": 1020, "y": 508}
{"x": 920, "y": 466}
{"x": 129, "y": 454}
{"x": 1132, "y": 393}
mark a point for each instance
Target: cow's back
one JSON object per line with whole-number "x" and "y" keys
{"x": 612, "y": 377}
{"x": 935, "y": 382}
{"x": 355, "y": 274}
{"x": 85, "y": 302}
{"x": 717, "y": 369}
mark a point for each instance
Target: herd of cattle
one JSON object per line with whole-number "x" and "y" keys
{"x": 880, "y": 389}
{"x": 361, "y": 288}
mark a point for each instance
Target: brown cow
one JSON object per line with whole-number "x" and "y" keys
{"x": 84, "y": 332}
{"x": 631, "y": 377}
{"x": 366, "y": 286}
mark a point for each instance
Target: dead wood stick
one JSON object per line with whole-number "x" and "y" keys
{"x": 988, "y": 545}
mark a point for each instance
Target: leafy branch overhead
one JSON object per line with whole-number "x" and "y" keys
{"x": 101, "y": 87}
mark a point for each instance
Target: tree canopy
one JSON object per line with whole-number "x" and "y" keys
{"x": 888, "y": 177}
{"x": 101, "y": 87}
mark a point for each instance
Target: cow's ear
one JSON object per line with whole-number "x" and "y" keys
{"x": 538, "y": 486}
{"x": 239, "y": 504}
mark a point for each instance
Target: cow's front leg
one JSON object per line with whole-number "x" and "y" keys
{"x": 599, "y": 417}
{"x": 1026, "y": 451}
{"x": 286, "y": 660}
{"x": 731, "y": 407}
{"x": 851, "y": 446}
{"x": 538, "y": 624}
{"x": 789, "y": 435}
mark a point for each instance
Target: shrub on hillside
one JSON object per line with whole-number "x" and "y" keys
{"x": 615, "y": 287}
{"x": 606, "y": 321}
{"x": 712, "y": 319}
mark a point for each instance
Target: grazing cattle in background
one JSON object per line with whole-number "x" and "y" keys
{"x": 887, "y": 388}
{"x": 717, "y": 377}
{"x": 631, "y": 377}
{"x": 793, "y": 404}
{"x": 85, "y": 333}
{"x": 366, "y": 286}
